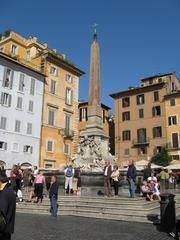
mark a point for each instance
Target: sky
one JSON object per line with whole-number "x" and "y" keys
{"x": 138, "y": 38}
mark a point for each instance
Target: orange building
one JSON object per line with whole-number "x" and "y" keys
{"x": 145, "y": 119}
{"x": 59, "y": 131}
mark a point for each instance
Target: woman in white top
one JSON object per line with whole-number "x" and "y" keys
{"x": 115, "y": 176}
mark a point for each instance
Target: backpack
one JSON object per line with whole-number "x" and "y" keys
{"x": 2, "y": 222}
{"x": 69, "y": 172}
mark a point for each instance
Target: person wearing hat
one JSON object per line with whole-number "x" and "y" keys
{"x": 7, "y": 207}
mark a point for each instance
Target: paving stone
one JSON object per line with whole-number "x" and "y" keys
{"x": 38, "y": 227}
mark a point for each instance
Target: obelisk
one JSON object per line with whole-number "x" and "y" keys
{"x": 94, "y": 144}
{"x": 94, "y": 124}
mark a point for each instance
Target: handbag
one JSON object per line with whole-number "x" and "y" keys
{"x": 2, "y": 222}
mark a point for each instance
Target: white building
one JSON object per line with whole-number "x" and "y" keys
{"x": 21, "y": 97}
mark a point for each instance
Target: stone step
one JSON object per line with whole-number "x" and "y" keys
{"x": 118, "y": 217}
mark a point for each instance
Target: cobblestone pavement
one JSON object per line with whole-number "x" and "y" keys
{"x": 39, "y": 227}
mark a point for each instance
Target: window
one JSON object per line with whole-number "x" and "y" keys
{"x": 156, "y": 111}
{"x": 142, "y": 150}
{"x": 3, "y": 123}
{"x": 172, "y": 102}
{"x": 29, "y": 128}
{"x": 175, "y": 157}
{"x": 157, "y": 132}
{"x": 14, "y": 49}
{"x": 141, "y": 113}
{"x": 83, "y": 114}
{"x": 31, "y": 106}
{"x": 150, "y": 81}
{"x": 15, "y": 147}
{"x": 19, "y": 102}
{"x": 126, "y": 102}
{"x": 17, "y": 126}
{"x": 8, "y": 78}
{"x": 158, "y": 149}
{"x": 126, "y": 152}
{"x": 32, "y": 86}
{"x": 141, "y": 135}
{"x": 140, "y": 99}
{"x": 28, "y": 149}
{"x": 53, "y": 87}
{"x": 48, "y": 165}
{"x": 68, "y": 78}
{"x": 172, "y": 120}
{"x": 49, "y": 146}
{"x": 175, "y": 140}
{"x": 2, "y": 49}
{"x": 53, "y": 71}
{"x": 3, "y": 145}
{"x": 103, "y": 116}
{"x": 67, "y": 122}
{"x": 21, "y": 82}
{"x": 68, "y": 96}
{"x": 126, "y": 135}
{"x": 51, "y": 117}
{"x": 156, "y": 96}
{"x": 6, "y": 99}
{"x": 28, "y": 55}
{"x": 66, "y": 148}
{"x": 126, "y": 116}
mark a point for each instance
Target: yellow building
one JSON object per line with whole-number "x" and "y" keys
{"x": 141, "y": 118}
{"x": 59, "y": 132}
{"x": 172, "y": 106}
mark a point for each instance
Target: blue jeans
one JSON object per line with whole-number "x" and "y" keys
{"x": 54, "y": 206}
{"x": 131, "y": 187}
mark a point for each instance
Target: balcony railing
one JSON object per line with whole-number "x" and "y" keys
{"x": 66, "y": 133}
{"x": 140, "y": 142}
{"x": 172, "y": 146}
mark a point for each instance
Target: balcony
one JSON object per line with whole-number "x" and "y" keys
{"x": 172, "y": 146}
{"x": 66, "y": 133}
{"x": 140, "y": 142}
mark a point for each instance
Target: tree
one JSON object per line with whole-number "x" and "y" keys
{"x": 162, "y": 158}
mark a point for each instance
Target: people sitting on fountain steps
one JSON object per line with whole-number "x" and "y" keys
{"x": 131, "y": 178}
{"x": 146, "y": 191}
{"x": 115, "y": 178}
{"x": 107, "y": 178}
{"x": 69, "y": 173}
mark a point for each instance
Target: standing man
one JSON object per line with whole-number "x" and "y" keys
{"x": 107, "y": 179}
{"x": 53, "y": 196}
{"x": 7, "y": 207}
{"x": 131, "y": 178}
{"x": 69, "y": 173}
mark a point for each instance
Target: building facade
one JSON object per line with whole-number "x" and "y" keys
{"x": 141, "y": 118}
{"x": 21, "y": 88}
{"x": 59, "y": 125}
{"x": 172, "y": 106}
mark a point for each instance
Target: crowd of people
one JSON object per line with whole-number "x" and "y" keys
{"x": 33, "y": 183}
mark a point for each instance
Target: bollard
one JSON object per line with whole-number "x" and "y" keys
{"x": 168, "y": 212}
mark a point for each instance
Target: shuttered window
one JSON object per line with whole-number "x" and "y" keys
{"x": 32, "y": 86}
{"x": 68, "y": 99}
{"x": 29, "y": 128}
{"x": 6, "y": 99}
{"x": 8, "y": 78}
{"x": 21, "y": 82}
{"x": 53, "y": 87}
{"x": 31, "y": 106}
{"x": 51, "y": 117}
{"x": 3, "y": 123}
{"x": 17, "y": 126}
{"x": 19, "y": 102}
